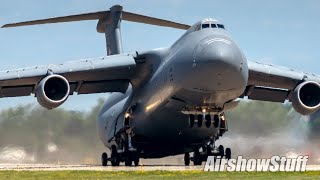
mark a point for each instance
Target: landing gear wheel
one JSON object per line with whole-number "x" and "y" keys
{"x": 200, "y": 119}
{"x": 186, "y": 159}
{"x": 115, "y": 160}
{"x": 135, "y": 158}
{"x": 104, "y": 159}
{"x": 216, "y": 120}
{"x": 209, "y": 150}
{"x": 128, "y": 160}
{"x": 228, "y": 153}
{"x": 208, "y": 120}
{"x": 191, "y": 120}
{"x": 221, "y": 151}
{"x": 197, "y": 158}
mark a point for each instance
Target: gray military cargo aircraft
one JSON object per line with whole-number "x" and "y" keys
{"x": 165, "y": 101}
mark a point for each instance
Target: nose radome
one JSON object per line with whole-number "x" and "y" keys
{"x": 217, "y": 65}
{"x": 219, "y": 51}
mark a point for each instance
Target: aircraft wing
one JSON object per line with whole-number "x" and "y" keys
{"x": 106, "y": 74}
{"x": 274, "y": 83}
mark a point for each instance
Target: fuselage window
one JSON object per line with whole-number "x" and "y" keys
{"x": 220, "y": 26}
{"x": 213, "y": 26}
{"x": 205, "y": 26}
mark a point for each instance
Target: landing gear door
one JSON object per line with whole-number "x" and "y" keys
{"x": 112, "y": 119}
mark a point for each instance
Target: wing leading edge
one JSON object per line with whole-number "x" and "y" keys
{"x": 274, "y": 83}
{"x": 106, "y": 74}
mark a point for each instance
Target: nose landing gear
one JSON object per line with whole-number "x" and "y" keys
{"x": 208, "y": 121}
{"x": 200, "y": 119}
{"x": 218, "y": 121}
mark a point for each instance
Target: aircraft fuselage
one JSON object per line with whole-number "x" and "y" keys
{"x": 203, "y": 68}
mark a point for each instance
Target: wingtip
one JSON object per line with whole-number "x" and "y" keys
{"x": 5, "y": 26}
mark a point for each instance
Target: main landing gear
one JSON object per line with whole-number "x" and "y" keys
{"x": 128, "y": 157}
{"x": 125, "y": 151}
{"x": 201, "y": 156}
{"x": 216, "y": 121}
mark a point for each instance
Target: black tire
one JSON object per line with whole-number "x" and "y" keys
{"x": 186, "y": 159}
{"x": 135, "y": 158}
{"x": 197, "y": 158}
{"x": 208, "y": 150}
{"x": 221, "y": 151}
{"x": 200, "y": 119}
{"x": 128, "y": 160}
{"x": 228, "y": 153}
{"x": 115, "y": 160}
{"x": 104, "y": 159}
{"x": 208, "y": 121}
{"x": 216, "y": 120}
{"x": 197, "y": 162}
{"x": 191, "y": 120}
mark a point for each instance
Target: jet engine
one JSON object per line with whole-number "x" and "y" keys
{"x": 306, "y": 98}
{"x": 52, "y": 91}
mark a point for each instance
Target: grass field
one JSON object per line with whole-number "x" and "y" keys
{"x": 153, "y": 175}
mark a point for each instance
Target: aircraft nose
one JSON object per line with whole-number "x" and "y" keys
{"x": 218, "y": 51}
{"x": 219, "y": 61}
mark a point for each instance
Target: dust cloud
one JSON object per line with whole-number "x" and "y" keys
{"x": 31, "y": 134}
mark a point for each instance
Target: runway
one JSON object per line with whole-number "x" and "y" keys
{"x": 92, "y": 167}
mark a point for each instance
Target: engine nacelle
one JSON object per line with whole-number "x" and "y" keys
{"x": 52, "y": 91}
{"x": 306, "y": 97}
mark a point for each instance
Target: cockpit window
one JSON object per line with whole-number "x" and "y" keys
{"x": 208, "y": 25}
{"x": 205, "y": 26}
{"x": 213, "y": 26}
{"x": 220, "y": 26}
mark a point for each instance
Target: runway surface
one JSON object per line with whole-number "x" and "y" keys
{"x": 91, "y": 167}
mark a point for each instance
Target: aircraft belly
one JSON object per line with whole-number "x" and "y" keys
{"x": 214, "y": 98}
{"x": 167, "y": 125}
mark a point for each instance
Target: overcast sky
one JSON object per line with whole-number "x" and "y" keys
{"x": 282, "y": 32}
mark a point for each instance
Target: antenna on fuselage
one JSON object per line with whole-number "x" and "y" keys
{"x": 109, "y": 23}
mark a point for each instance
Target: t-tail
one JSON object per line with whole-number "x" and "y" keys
{"x": 109, "y": 23}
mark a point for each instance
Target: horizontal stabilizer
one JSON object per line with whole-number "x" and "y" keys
{"x": 100, "y": 16}
{"x": 79, "y": 17}
{"x": 153, "y": 21}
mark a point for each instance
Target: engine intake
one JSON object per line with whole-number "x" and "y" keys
{"x": 306, "y": 97}
{"x": 52, "y": 91}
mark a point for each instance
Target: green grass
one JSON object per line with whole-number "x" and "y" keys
{"x": 153, "y": 175}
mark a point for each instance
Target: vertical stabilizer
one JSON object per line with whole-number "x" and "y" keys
{"x": 113, "y": 30}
